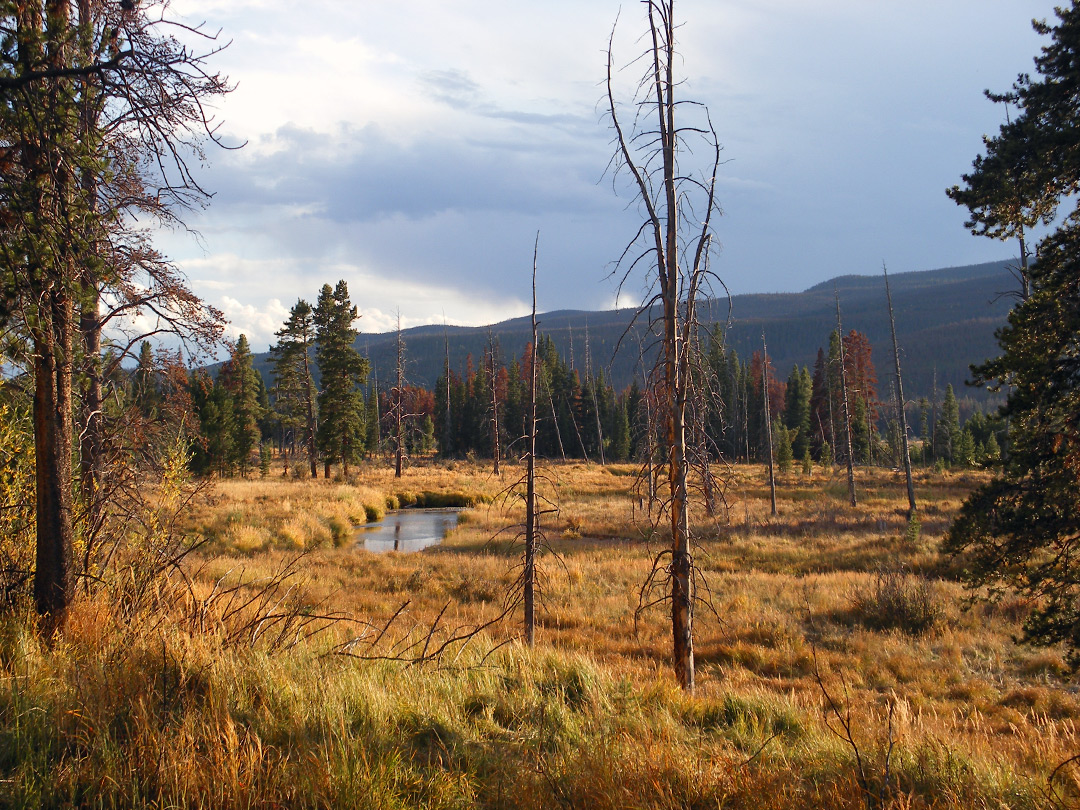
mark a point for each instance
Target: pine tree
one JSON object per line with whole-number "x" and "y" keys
{"x": 342, "y": 371}
{"x": 965, "y": 449}
{"x": 797, "y": 409}
{"x": 147, "y": 395}
{"x": 784, "y": 455}
{"x": 620, "y": 433}
{"x": 924, "y": 430}
{"x": 240, "y": 380}
{"x": 1022, "y": 530}
{"x": 821, "y": 413}
{"x": 947, "y": 430}
{"x": 215, "y": 450}
{"x": 294, "y": 388}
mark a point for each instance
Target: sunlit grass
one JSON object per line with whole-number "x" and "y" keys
{"x": 145, "y": 713}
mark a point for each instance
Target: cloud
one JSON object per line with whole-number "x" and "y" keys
{"x": 416, "y": 148}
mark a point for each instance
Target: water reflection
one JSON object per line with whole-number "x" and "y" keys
{"x": 408, "y": 529}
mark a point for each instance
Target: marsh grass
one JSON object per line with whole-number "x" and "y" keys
{"x": 144, "y": 713}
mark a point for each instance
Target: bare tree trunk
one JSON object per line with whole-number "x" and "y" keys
{"x": 399, "y": 406}
{"x": 768, "y": 420}
{"x": 447, "y": 425}
{"x": 902, "y": 415}
{"x": 493, "y": 379}
{"x": 677, "y": 301}
{"x": 596, "y": 402}
{"x": 52, "y": 331}
{"x": 555, "y": 421}
{"x": 92, "y": 434}
{"x": 847, "y": 409}
{"x": 54, "y": 581}
{"x": 531, "y": 515}
{"x": 312, "y": 421}
{"x": 577, "y": 431}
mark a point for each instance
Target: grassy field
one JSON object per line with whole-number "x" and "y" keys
{"x": 839, "y": 665}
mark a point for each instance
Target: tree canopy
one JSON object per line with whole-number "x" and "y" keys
{"x": 1022, "y": 531}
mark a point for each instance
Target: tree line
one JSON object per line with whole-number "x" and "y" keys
{"x": 323, "y": 406}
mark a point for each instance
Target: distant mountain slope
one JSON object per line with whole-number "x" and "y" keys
{"x": 945, "y": 321}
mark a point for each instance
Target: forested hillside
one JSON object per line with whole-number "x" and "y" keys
{"x": 945, "y": 321}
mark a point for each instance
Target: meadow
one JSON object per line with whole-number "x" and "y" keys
{"x": 840, "y": 662}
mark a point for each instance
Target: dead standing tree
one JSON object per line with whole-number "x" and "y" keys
{"x": 847, "y": 406}
{"x": 493, "y": 386}
{"x": 397, "y": 399}
{"x": 675, "y": 238}
{"x": 900, "y": 414}
{"x": 767, "y": 410}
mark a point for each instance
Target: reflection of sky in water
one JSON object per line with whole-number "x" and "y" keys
{"x": 408, "y": 530}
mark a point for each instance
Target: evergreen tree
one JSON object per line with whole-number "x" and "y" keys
{"x": 924, "y": 430}
{"x": 860, "y": 431}
{"x": 294, "y": 388}
{"x": 821, "y": 414}
{"x": 620, "y": 432}
{"x": 147, "y": 393}
{"x": 1023, "y": 529}
{"x": 964, "y": 455}
{"x": 947, "y": 432}
{"x": 215, "y": 450}
{"x": 862, "y": 395}
{"x": 342, "y": 371}
{"x": 797, "y": 409}
{"x": 240, "y": 380}
{"x": 784, "y": 455}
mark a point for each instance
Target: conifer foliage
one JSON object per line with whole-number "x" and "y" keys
{"x": 294, "y": 387}
{"x": 1023, "y": 529}
{"x": 341, "y": 434}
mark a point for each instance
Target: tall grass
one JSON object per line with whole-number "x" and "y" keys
{"x": 143, "y": 712}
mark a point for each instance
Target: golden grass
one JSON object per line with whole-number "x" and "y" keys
{"x": 148, "y": 715}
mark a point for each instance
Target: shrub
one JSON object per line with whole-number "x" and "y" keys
{"x": 340, "y": 530}
{"x": 897, "y": 601}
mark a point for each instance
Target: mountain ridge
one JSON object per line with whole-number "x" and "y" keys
{"x": 946, "y": 320}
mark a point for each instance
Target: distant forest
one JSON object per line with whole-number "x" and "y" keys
{"x": 318, "y": 399}
{"x": 945, "y": 321}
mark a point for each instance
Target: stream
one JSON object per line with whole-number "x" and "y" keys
{"x": 408, "y": 529}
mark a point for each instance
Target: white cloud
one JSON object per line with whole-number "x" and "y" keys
{"x": 415, "y": 148}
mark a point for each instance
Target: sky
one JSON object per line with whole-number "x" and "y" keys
{"x": 415, "y": 148}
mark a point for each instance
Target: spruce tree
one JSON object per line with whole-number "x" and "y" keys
{"x": 342, "y": 371}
